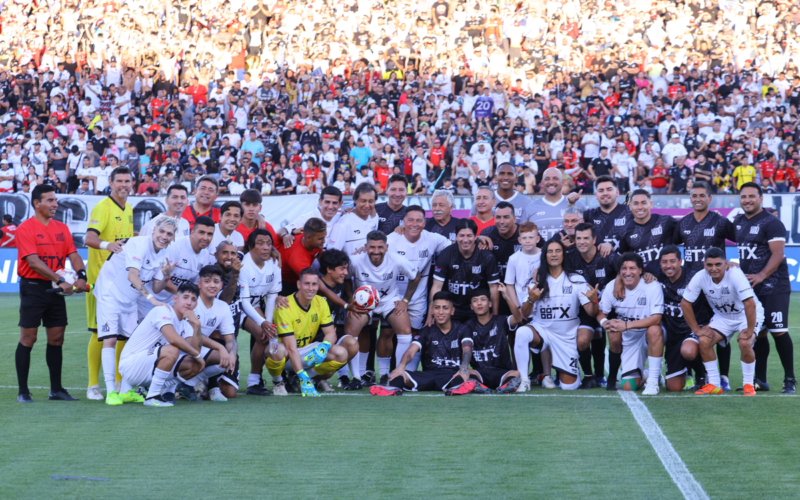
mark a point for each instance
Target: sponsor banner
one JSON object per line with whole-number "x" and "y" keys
{"x": 74, "y": 210}
{"x": 9, "y": 279}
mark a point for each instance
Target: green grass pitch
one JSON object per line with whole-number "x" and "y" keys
{"x": 545, "y": 444}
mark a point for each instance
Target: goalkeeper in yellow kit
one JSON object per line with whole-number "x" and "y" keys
{"x": 307, "y": 340}
{"x": 110, "y": 225}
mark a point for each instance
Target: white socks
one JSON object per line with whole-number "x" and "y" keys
{"x": 207, "y": 373}
{"x": 403, "y": 343}
{"x": 355, "y": 364}
{"x": 383, "y": 365}
{"x": 522, "y": 351}
{"x": 363, "y": 357}
{"x": 253, "y": 379}
{"x": 125, "y": 386}
{"x": 712, "y": 372}
{"x": 748, "y": 372}
{"x": 157, "y": 384}
{"x": 654, "y": 369}
{"x": 107, "y": 357}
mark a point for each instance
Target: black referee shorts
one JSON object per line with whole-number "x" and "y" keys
{"x": 39, "y": 308}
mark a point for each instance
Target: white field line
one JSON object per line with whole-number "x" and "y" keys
{"x": 677, "y": 470}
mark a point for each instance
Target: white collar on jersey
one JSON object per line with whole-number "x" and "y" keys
{"x": 506, "y": 199}
{"x": 544, "y": 200}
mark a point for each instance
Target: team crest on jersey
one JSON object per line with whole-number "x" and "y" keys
{"x": 708, "y": 232}
{"x": 567, "y": 290}
{"x": 211, "y": 322}
{"x": 476, "y": 269}
{"x": 619, "y": 222}
{"x": 314, "y": 318}
{"x": 600, "y": 273}
{"x": 493, "y": 332}
{"x": 754, "y": 230}
{"x": 642, "y": 301}
{"x": 454, "y": 344}
{"x": 656, "y": 231}
{"x": 388, "y": 276}
{"x": 105, "y": 328}
{"x": 423, "y": 254}
{"x": 725, "y": 291}
{"x": 681, "y": 290}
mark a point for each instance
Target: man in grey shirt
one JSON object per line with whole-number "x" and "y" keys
{"x": 548, "y": 212}
{"x": 506, "y": 175}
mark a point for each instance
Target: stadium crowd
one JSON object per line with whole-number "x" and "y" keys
{"x": 292, "y": 97}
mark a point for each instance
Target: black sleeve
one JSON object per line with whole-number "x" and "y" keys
{"x": 612, "y": 265}
{"x": 677, "y": 237}
{"x": 442, "y": 266}
{"x": 623, "y": 241}
{"x": 728, "y": 229}
{"x": 653, "y": 268}
{"x": 670, "y": 228}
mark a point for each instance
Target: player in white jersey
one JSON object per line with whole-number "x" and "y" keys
{"x": 121, "y": 281}
{"x": 219, "y": 342}
{"x": 350, "y": 233}
{"x": 736, "y": 309}
{"x": 152, "y": 357}
{"x": 328, "y": 209}
{"x": 230, "y": 215}
{"x": 259, "y": 285}
{"x": 523, "y": 263}
{"x": 177, "y": 199}
{"x": 636, "y": 331}
{"x": 419, "y": 247}
{"x": 553, "y": 305}
{"x": 189, "y": 254}
{"x": 379, "y": 268}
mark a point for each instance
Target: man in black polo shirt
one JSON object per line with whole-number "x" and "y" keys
{"x": 44, "y": 245}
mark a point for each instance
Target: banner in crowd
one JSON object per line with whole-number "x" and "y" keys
{"x": 9, "y": 278}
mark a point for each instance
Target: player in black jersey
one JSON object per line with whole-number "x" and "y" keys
{"x": 392, "y": 212}
{"x": 597, "y": 271}
{"x": 648, "y": 233}
{"x": 446, "y": 350}
{"x": 491, "y": 356}
{"x": 610, "y": 218}
{"x": 442, "y": 221}
{"x": 502, "y": 239}
{"x": 461, "y": 268}
{"x": 698, "y": 232}
{"x": 681, "y": 344}
{"x": 761, "y": 238}
{"x": 333, "y": 265}
{"x": 228, "y": 261}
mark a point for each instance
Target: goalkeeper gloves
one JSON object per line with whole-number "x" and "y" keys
{"x": 317, "y": 355}
{"x": 307, "y": 387}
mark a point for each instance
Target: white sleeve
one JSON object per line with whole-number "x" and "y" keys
{"x": 337, "y": 238}
{"x": 135, "y": 250}
{"x": 656, "y": 298}
{"x": 269, "y": 306}
{"x": 298, "y": 223}
{"x": 226, "y": 321}
{"x": 582, "y": 289}
{"x": 607, "y": 300}
{"x": 161, "y": 317}
{"x": 742, "y": 285}
{"x": 244, "y": 294}
{"x": 694, "y": 288}
{"x": 441, "y": 242}
{"x": 407, "y": 267}
{"x": 147, "y": 229}
{"x": 511, "y": 270}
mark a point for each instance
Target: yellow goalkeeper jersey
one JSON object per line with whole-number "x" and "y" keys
{"x": 303, "y": 324}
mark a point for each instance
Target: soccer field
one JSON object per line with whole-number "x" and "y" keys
{"x": 542, "y": 444}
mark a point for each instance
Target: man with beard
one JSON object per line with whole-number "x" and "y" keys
{"x": 547, "y": 212}
{"x": 610, "y": 219}
{"x": 228, "y": 261}
{"x": 392, "y": 212}
{"x": 502, "y": 240}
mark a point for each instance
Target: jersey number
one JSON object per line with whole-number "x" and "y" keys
{"x": 777, "y": 317}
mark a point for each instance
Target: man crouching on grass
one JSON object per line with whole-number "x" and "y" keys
{"x": 152, "y": 355}
{"x": 446, "y": 348}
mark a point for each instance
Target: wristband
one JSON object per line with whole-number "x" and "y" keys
{"x": 345, "y": 306}
{"x": 405, "y": 300}
{"x": 198, "y": 356}
{"x": 150, "y": 296}
{"x": 82, "y": 274}
{"x": 104, "y": 245}
{"x": 603, "y": 321}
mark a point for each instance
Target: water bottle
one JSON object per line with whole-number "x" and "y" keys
{"x": 273, "y": 344}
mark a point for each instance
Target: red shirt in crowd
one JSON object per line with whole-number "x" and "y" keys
{"x": 52, "y": 243}
{"x": 199, "y": 93}
{"x": 672, "y": 90}
{"x": 767, "y": 169}
{"x": 659, "y": 182}
{"x": 9, "y": 236}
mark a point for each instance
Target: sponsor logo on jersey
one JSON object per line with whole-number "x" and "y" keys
{"x": 619, "y": 222}
{"x": 642, "y": 301}
{"x": 401, "y": 253}
{"x": 708, "y": 232}
{"x": 185, "y": 261}
{"x": 364, "y": 275}
{"x": 435, "y": 342}
{"x": 357, "y": 231}
{"x": 711, "y": 292}
{"x": 454, "y": 344}
{"x": 455, "y": 266}
{"x": 754, "y": 230}
{"x": 634, "y": 236}
{"x": 297, "y": 320}
{"x": 686, "y": 231}
{"x": 476, "y": 269}
{"x": 284, "y": 325}
{"x": 747, "y": 252}
{"x": 656, "y": 231}
{"x": 725, "y": 291}
{"x": 537, "y": 214}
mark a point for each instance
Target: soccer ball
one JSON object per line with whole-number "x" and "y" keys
{"x": 366, "y": 298}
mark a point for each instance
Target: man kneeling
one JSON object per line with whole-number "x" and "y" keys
{"x": 446, "y": 350}
{"x": 152, "y": 355}
{"x": 314, "y": 356}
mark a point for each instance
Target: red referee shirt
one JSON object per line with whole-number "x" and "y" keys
{"x": 190, "y": 215}
{"x": 295, "y": 258}
{"x": 245, "y": 232}
{"x": 52, "y": 243}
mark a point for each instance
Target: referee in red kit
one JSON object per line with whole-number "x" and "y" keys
{"x": 43, "y": 247}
